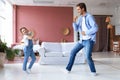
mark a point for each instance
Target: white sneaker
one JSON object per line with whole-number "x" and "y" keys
{"x": 66, "y": 71}
{"x": 29, "y": 70}
{"x": 93, "y": 73}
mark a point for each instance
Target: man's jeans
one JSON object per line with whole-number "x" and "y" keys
{"x": 88, "y": 46}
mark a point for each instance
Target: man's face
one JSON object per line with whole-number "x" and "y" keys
{"x": 79, "y": 10}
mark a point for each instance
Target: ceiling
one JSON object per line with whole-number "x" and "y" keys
{"x": 71, "y": 3}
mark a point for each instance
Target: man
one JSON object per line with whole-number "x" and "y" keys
{"x": 87, "y": 28}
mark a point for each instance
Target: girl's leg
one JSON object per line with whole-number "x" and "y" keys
{"x": 32, "y": 55}
{"x": 25, "y": 61}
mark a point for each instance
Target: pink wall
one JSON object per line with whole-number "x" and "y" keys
{"x": 46, "y": 22}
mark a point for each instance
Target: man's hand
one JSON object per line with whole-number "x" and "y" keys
{"x": 75, "y": 18}
{"x": 83, "y": 33}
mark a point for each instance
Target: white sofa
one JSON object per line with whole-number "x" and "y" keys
{"x": 36, "y": 48}
{"x": 58, "y": 53}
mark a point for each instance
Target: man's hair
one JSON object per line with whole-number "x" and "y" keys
{"x": 82, "y": 5}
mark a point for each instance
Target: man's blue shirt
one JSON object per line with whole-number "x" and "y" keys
{"x": 90, "y": 24}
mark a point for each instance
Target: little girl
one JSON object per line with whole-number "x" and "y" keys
{"x": 28, "y": 49}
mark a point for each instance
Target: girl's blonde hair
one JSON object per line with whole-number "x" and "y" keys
{"x": 23, "y": 28}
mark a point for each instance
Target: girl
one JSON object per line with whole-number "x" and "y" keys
{"x": 27, "y": 49}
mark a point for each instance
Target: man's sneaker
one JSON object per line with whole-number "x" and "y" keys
{"x": 93, "y": 73}
{"x": 29, "y": 70}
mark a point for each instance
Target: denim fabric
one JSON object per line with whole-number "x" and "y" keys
{"x": 88, "y": 46}
{"x": 28, "y": 52}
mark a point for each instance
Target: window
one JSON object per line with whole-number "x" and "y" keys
{"x": 6, "y": 27}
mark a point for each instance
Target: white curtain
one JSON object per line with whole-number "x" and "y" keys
{"x": 6, "y": 24}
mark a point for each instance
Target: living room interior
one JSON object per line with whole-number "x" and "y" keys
{"x": 51, "y": 23}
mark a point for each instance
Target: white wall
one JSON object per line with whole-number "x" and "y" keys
{"x": 116, "y": 20}
{"x": 98, "y": 10}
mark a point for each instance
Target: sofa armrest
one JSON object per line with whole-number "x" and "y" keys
{"x": 41, "y": 51}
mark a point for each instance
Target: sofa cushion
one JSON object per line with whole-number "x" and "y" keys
{"x": 67, "y": 47}
{"x": 52, "y": 46}
{"x": 67, "y": 54}
{"x": 53, "y": 54}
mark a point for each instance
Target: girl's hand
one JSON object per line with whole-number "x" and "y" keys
{"x": 30, "y": 35}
